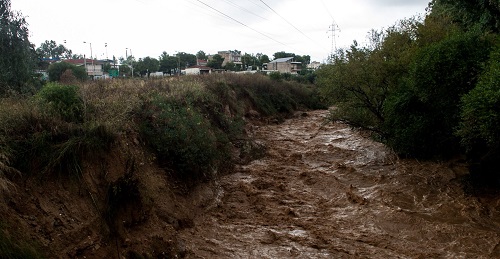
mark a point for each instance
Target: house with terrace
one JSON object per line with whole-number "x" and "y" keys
{"x": 284, "y": 65}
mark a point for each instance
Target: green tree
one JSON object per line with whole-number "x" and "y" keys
{"x": 250, "y": 61}
{"x": 106, "y": 67}
{"x": 186, "y": 60}
{"x": 283, "y": 54}
{"x": 56, "y": 70}
{"x": 231, "y": 66}
{"x": 263, "y": 59}
{"x": 168, "y": 64}
{"x": 146, "y": 66}
{"x": 480, "y": 121}
{"x": 124, "y": 70}
{"x": 77, "y": 56}
{"x": 216, "y": 61}
{"x": 50, "y": 49}
{"x": 201, "y": 55}
{"x": 127, "y": 66}
{"x": 423, "y": 115}
{"x": 470, "y": 14}
{"x": 17, "y": 55}
{"x": 360, "y": 79}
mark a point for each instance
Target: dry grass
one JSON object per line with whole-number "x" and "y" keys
{"x": 120, "y": 107}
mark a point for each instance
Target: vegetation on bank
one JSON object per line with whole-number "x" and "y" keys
{"x": 14, "y": 246}
{"x": 428, "y": 87}
{"x": 190, "y": 123}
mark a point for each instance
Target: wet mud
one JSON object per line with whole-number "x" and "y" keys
{"x": 329, "y": 191}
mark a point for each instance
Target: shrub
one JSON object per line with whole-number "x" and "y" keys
{"x": 421, "y": 117}
{"x": 276, "y": 76}
{"x": 480, "y": 121}
{"x": 62, "y": 101}
{"x": 124, "y": 201}
{"x": 182, "y": 137}
{"x": 40, "y": 143}
{"x": 13, "y": 245}
{"x": 56, "y": 70}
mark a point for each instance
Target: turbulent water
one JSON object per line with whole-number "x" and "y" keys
{"x": 327, "y": 191}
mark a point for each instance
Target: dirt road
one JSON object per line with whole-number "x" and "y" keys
{"x": 329, "y": 192}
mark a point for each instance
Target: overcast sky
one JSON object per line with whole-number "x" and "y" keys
{"x": 149, "y": 27}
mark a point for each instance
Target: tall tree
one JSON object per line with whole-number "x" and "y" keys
{"x": 186, "y": 59}
{"x": 50, "y": 49}
{"x": 17, "y": 55}
{"x": 283, "y": 54}
{"x": 168, "y": 64}
{"x": 249, "y": 61}
{"x": 360, "y": 79}
{"x": 216, "y": 61}
{"x": 263, "y": 59}
{"x": 470, "y": 13}
{"x": 56, "y": 70}
{"x": 147, "y": 66}
{"x": 201, "y": 55}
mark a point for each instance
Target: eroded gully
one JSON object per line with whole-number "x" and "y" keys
{"x": 327, "y": 191}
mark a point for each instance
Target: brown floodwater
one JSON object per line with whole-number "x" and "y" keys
{"x": 328, "y": 191}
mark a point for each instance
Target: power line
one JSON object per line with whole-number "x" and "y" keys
{"x": 202, "y": 9}
{"x": 231, "y": 18}
{"x": 258, "y": 5}
{"x": 245, "y": 9}
{"x": 291, "y": 24}
{"x": 327, "y": 10}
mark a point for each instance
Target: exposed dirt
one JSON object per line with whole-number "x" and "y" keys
{"x": 321, "y": 191}
{"x": 326, "y": 191}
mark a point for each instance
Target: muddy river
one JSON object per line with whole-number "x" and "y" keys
{"x": 327, "y": 191}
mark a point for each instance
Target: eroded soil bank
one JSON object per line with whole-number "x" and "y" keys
{"x": 326, "y": 191}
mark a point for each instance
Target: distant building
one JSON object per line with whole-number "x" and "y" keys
{"x": 231, "y": 56}
{"x": 197, "y": 70}
{"x": 201, "y": 62}
{"x": 284, "y": 65}
{"x": 314, "y": 65}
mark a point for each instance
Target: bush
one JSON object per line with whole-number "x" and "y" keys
{"x": 38, "y": 142}
{"x": 14, "y": 246}
{"x": 62, "y": 101}
{"x": 182, "y": 137}
{"x": 56, "y": 70}
{"x": 124, "y": 202}
{"x": 421, "y": 117}
{"x": 276, "y": 76}
{"x": 480, "y": 121}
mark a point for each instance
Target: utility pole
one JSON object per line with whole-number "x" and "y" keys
{"x": 178, "y": 63}
{"x": 333, "y": 28}
{"x": 126, "y": 58}
{"x": 132, "y": 63}
{"x": 92, "y": 59}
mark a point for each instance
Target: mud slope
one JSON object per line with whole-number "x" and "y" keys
{"x": 328, "y": 192}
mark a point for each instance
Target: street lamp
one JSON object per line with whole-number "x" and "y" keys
{"x": 90, "y": 48}
{"x": 106, "y": 46}
{"x": 126, "y": 57}
{"x": 178, "y": 63}
{"x": 91, "y": 58}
